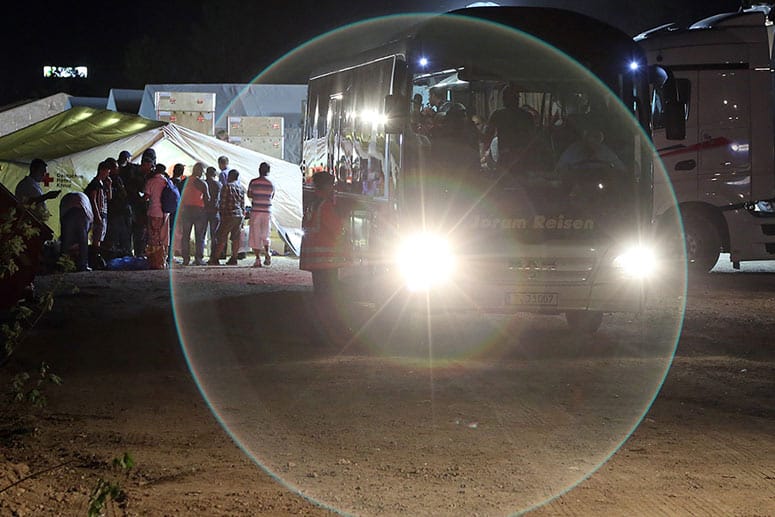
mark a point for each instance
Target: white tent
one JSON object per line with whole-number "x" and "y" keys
{"x": 70, "y": 171}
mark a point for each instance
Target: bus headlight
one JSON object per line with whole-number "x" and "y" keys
{"x": 425, "y": 261}
{"x": 637, "y": 261}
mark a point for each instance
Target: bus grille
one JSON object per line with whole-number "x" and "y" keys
{"x": 539, "y": 270}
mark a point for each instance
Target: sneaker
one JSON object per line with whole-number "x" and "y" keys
{"x": 213, "y": 262}
{"x": 232, "y": 262}
{"x": 200, "y": 262}
{"x": 267, "y": 260}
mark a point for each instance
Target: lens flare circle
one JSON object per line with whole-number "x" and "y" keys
{"x": 392, "y": 407}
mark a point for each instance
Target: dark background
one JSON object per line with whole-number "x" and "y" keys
{"x": 131, "y": 44}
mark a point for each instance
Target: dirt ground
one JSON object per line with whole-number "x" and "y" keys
{"x": 498, "y": 417}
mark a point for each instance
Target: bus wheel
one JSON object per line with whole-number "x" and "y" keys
{"x": 586, "y": 322}
{"x": 703, "y": 243}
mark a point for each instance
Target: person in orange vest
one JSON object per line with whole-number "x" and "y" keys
{"x": 194, "y": 198}
{"x": 321, "y": 243}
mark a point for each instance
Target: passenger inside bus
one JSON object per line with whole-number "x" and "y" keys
{"x": 513, "y": 126}
{"x": 454, "y": 142}
{"x": 589, "y": 151}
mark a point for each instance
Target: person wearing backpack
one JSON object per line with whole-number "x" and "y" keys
{"x": 157, "y": 247}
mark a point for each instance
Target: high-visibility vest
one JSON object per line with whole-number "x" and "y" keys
{"x": 321, "y": 244}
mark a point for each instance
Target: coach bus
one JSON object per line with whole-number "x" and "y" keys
{"x": 494, "y": 159}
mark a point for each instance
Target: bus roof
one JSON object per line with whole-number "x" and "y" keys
{"x": 579, "y": 36}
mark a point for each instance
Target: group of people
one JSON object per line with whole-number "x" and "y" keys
{"x": 509, "y": 136}
{"x": 121, "y": 212}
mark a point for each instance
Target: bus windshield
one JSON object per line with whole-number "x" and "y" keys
{"x": 503, "y": 135}
{"x": 545, "y": 152}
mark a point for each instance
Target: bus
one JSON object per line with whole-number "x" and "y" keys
{"x": 461, "y": 157}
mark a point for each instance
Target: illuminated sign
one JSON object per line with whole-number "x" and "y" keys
{"x": 80, "y": 72}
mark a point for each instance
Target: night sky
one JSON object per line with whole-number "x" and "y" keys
{"x": 130, "y": 44}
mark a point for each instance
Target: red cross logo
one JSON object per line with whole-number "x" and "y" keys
{"x": 47, "y": 179}
{"x": 200, "y": 118}
{"x": 173, "y": 100}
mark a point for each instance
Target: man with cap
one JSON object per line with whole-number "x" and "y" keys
{"x": 133, "y": 177}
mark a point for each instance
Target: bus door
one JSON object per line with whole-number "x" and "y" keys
{"x": 724, "y": 136}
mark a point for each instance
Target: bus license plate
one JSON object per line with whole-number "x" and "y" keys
{"x": 532, "y": 299}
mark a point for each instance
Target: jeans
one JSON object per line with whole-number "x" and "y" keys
{"x": 75, "y": 231}
{"x": 197, "y": 218}
{"x": 173, "y": 223}
{"x": 139, "y": 229}
{"x": 119, "y": 236}
{"x": 213, "y": 221}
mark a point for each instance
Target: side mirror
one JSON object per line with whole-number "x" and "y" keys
{"x": 396, "y": 114}
{"x": 674, "y": 116}
{"x": 674, "y": 94}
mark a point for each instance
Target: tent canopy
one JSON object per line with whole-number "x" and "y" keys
{"x": 75, "y": 141}
{"x": 69, "y": 132}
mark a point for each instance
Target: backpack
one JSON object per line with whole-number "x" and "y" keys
{"x": 170, "y": 197}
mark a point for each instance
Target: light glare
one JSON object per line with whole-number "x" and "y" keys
{"x": 637, "y": 261}
{"x": 425, "y": 261}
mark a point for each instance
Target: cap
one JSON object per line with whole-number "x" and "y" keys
{"x": 125, "y": 154}
{"x": 149, "y": 155}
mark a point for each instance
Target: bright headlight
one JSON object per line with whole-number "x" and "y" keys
{"x": 637, "y": 261}
{"x": 425, "y": 261}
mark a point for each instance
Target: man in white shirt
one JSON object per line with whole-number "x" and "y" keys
{"x": 223, "y": 167}
{"x": 30, "y": 193}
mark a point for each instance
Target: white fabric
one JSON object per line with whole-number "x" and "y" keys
{"x": 259, "y": 230}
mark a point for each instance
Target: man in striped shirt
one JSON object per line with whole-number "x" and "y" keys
{"x": 260, "y": 192}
